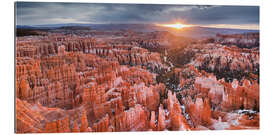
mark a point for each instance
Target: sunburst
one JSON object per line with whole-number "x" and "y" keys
{"x": 176, "y": 25}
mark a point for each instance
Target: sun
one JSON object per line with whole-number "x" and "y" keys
{"x": 176, "y": 25}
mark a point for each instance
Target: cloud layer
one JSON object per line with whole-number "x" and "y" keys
{"x": 36, "y": 13}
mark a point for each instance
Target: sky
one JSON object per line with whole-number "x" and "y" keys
{"x": 38, "y": 13}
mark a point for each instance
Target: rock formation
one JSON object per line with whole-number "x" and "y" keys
{"x": 82, "y": 83}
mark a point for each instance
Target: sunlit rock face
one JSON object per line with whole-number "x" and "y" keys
{"x": 176, "y": 118}
{"x": 77, "y": 85}
{"x": 27, "y": 121}
{"x": 80, "y": 84}
{"x": 200, "y": 113}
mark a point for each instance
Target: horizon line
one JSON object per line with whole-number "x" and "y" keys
{"x": 216, "y": 26}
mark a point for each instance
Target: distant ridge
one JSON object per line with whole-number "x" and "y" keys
{"x": 195, "y": 32}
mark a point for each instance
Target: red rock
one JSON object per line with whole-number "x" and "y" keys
{"x": 200, "y": 113}
{"x": 84, "y": 122}
{"x": 177, "y": 120}
{"x": 161, "y": 119}
{"x": 152, "y": 121}
{"x": 24, "y": 89}
{"x": 75, "y": 128}
{"x": 51, "y": 127}
{"x": 27, "y": 121}
{"x": 102, "y": 125}
{"x": 133, "y": 119}
{"x": 67, "y": 83}
{"x": 147, "y": 96}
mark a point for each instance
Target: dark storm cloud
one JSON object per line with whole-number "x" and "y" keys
{"x": 33, "y": 13}
{"x": 227, "y": 14}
